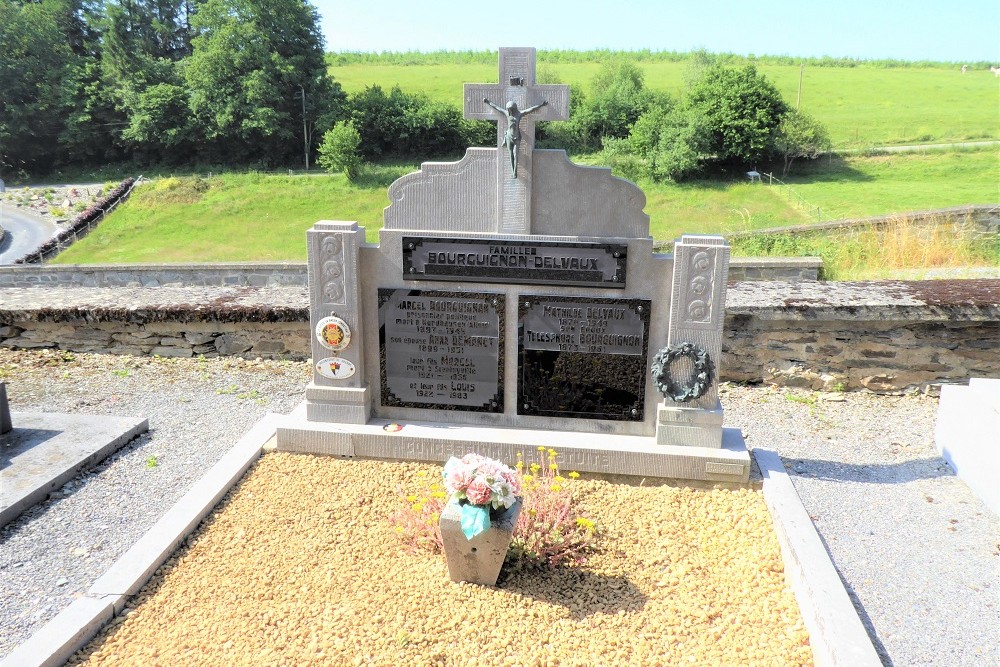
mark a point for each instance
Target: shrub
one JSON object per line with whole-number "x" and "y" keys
{"x": 339, "y": 150}
{"x": 742, "y": 110}
{"x": 409, "y": 125}
{"x": 551, "y": 530}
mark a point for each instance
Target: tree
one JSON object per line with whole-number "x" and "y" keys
{"x": 617, "y": 101}
{"x": 672, "y": 140}
{"x": 249, "y": 59}
{"x": 34, "y": 61}
{"x": 144, "y": 42}
{"x": 742, "y": 110}
{"x": 338, "y": 152}
{"x": 800, "y": 135}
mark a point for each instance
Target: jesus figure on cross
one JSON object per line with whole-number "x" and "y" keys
{"x": 512, "y": 137}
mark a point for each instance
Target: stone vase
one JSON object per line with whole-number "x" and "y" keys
{"x": 478, "y": 560}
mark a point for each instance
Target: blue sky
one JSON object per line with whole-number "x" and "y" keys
{"x": 968, "y": 30}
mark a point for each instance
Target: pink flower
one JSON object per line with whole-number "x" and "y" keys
{"x": 479, "y": 492}
{"x": 512, "y": 478}
{"x": 458, "y": 479}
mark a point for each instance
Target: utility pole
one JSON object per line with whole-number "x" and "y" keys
{"x": 305, "y": 130}
{"x": 798, "y": 100}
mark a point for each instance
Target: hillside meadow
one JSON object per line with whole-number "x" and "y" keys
{"x": 861, "y": 106}
{"x": 263, "y": 217}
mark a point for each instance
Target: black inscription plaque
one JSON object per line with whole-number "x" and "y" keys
{"x": 441, "y": 350}
{"x": 582, "y": 357}
{"x": 500, "y": 261}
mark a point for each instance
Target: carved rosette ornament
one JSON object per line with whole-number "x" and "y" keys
{"x": 332, "y": 254}
{"x": 700, "y": 290}
{"x": 701, "y": 374}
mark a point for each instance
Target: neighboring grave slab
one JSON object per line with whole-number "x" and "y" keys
{"x": 514, "y": 301}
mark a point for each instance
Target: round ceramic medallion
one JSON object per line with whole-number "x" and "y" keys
{"x": 333, "y": 333}
{"x": 335, "y": 368}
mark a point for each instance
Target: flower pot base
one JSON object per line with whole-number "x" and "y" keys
{"x": 478, "y": 560}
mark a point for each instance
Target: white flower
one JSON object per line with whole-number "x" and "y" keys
{"x": 503, "y": 494}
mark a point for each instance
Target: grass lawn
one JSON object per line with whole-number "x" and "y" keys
{"x": 260, "y": 217}
{"x": 861, "y": 106}
{"x": 864, "y": 186}
{"x": 233, "y": 218}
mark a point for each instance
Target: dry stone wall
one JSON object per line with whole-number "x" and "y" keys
{"x": 278, "y": 274}
{"x": 880, "y": 336}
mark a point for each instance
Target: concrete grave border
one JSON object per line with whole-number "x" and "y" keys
{"x": 837, "y": 636}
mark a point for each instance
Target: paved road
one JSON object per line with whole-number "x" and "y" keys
{"x": 25, "y": 232}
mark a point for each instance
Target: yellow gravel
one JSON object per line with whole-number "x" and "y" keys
{"x": 300, "y": 566}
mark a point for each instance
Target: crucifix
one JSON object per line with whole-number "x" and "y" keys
{"x": 515, "y": 104}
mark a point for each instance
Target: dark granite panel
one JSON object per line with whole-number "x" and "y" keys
{"x": 441, "y": 350}
{"x": 582, "y": 357}
{"x": 502, "y": 261}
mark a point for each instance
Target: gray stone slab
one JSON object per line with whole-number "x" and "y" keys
{"x": 44, "y": 451}
{"x": 967, "y": 435}
{"x": 605, "y": 453}
{"x": 836, "y": 634}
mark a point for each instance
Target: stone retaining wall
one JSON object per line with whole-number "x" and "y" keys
{"x": 254, "y": 274}
{"x": 881, "y": 336}
{"x": 249, "y": 274}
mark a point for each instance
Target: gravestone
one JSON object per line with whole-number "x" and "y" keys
{"x": 514, "y": 301}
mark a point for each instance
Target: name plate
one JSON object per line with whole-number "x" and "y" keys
{"x": 441, "y": 350}
{"x": 528, "y": 262}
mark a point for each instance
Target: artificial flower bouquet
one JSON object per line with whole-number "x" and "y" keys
{"x": 483, "y": 484}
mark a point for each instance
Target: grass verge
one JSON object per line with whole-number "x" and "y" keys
{"x": 871, "y": 252}
{"x": 263, "y": 217}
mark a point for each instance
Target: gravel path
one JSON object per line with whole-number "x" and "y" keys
{"x": 918, "y": 551}
{"x": 920, "y": 554}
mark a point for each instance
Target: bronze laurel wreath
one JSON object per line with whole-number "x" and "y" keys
{"x": 697, "y": 384}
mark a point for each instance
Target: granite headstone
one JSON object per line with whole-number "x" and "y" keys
{"x": 514, "y": 300}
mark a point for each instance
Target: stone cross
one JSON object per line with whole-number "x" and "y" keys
{"x": 517, "y": 84}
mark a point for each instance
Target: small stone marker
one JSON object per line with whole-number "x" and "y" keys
{"x": 514, "y": 301}
{"x": 5, "y": 423}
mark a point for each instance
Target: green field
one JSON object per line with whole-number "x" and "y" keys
{"x": 861, "y": 106}
{"x": 232, "y": 218}
{"x": 257, "y": 217}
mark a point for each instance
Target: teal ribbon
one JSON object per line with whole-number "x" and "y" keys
{"x": 475, "y": 519}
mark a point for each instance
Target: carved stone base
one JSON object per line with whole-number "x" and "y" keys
{"x": 348, "y": 405}
{"x": 603, "y": 453}
{"x": 689, "y": 427}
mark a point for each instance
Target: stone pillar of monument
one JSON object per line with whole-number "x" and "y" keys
{"x": 337, "y": 392}
{"x": 697, "y": 314}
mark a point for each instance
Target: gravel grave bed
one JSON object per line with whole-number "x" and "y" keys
{"x": 300, "y": 565}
